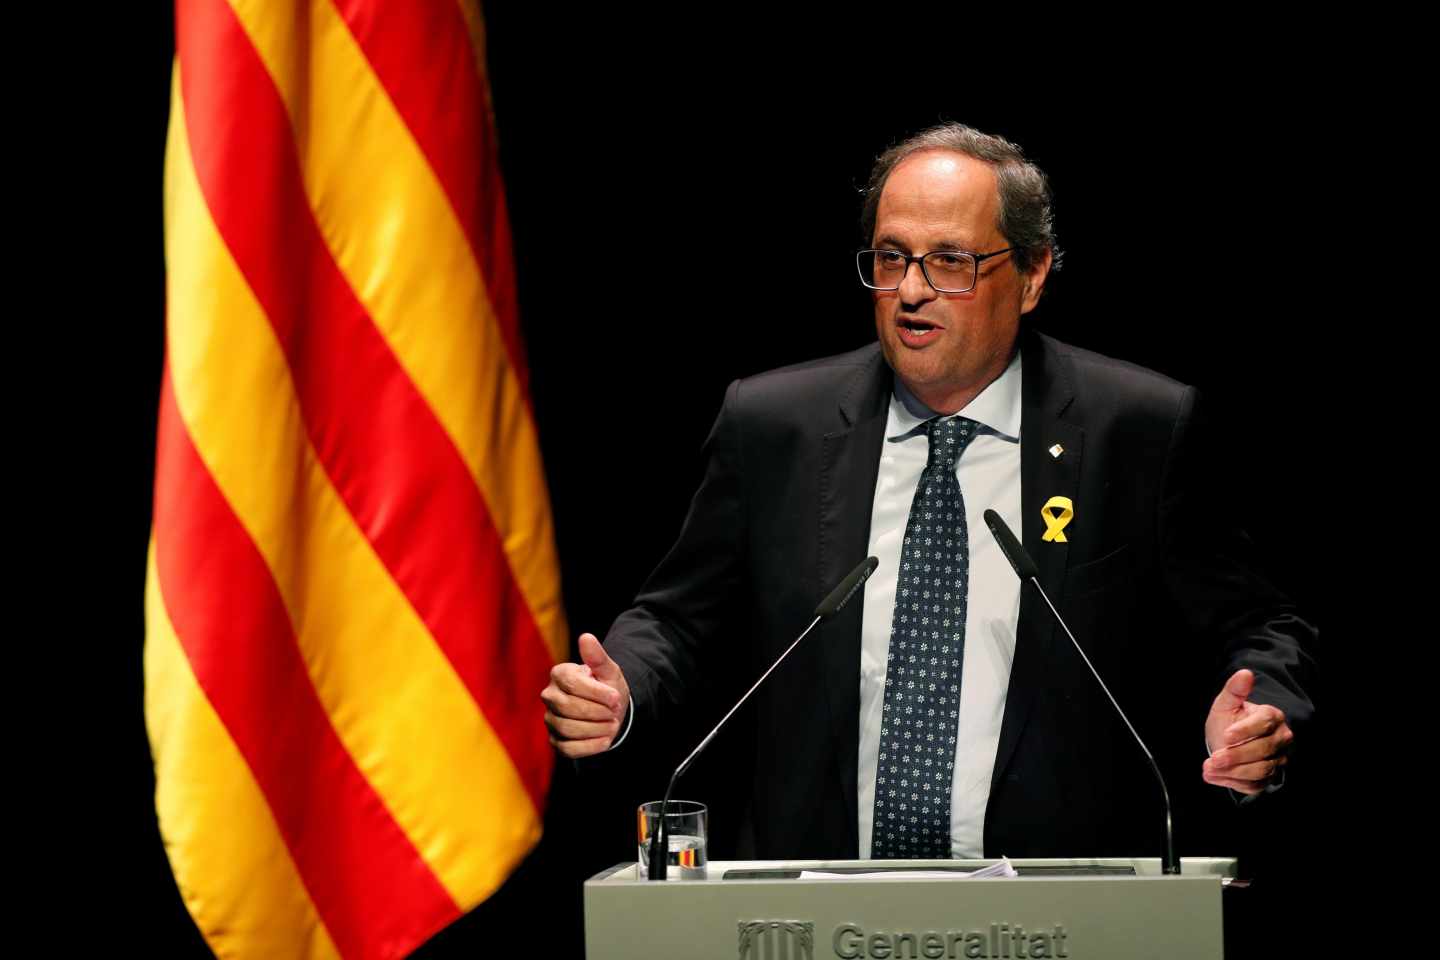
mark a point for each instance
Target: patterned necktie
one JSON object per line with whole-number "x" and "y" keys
{"x": 922, "y": 669}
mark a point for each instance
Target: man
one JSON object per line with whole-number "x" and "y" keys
{"x": 945, "y": 714}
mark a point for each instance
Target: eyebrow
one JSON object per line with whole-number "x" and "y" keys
{"x": 947, "y": 245}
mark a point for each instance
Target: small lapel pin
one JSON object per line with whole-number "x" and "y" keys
{"x": 1056, "y": 450}
{"x": 1056, "y": 513}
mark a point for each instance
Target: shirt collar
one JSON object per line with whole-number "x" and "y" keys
{"x": 996, "y": 408}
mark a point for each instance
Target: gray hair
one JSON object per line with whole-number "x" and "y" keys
{"x": 1027, "y": 215}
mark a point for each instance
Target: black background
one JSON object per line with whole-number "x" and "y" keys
{"x": 1178, "y": 165}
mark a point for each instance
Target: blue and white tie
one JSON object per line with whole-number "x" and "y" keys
{"x": 922, "y": 669}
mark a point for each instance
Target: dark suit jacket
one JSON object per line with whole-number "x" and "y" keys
{"x": 1154, "y": 578}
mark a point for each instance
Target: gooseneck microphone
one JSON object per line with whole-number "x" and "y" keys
{"x": 1028, "y": 572}
{"x": 831, "y": 605}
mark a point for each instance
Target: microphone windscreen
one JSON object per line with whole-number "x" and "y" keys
{"x": 1019, "y": 560}
{"x": 847, "y": 588}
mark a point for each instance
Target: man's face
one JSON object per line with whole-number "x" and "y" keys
{"x": 947, "y": 347}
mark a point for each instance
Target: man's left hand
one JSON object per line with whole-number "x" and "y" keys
{"x": 1247, "y": 741}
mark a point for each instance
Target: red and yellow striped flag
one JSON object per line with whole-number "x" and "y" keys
{"x": 353, "y": 597}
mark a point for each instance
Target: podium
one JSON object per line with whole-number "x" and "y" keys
{"x": 1082, "y": 909}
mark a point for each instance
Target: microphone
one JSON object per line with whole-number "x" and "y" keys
{"x": 831, "y": 605}
{"x": 1028, "y": 572}
{"x": 843, "y": 591}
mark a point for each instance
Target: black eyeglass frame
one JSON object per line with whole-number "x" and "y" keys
{"x": 975, "y": 260}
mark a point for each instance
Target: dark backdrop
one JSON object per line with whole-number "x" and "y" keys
{"x": 1187, "y": 184}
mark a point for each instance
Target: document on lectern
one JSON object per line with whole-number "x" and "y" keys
{"x": 1002, "y": 868}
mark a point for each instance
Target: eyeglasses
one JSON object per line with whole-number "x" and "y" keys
{"x": 948, "y": 271}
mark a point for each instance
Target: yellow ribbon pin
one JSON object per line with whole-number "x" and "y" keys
{"x": 1055, "y": 522}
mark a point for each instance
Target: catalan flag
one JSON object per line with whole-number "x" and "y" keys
{"x": 353, "y": 596}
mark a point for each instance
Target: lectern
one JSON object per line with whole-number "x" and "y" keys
{"x": 1115, "y": 909}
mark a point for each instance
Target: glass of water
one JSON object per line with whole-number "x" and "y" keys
{"x": 685, "y": 825}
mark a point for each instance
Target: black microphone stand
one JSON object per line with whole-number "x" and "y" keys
{"x": 831, "y": 605}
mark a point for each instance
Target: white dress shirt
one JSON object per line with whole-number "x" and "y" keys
{"x": 989, "y": 477}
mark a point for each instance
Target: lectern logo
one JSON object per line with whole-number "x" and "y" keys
{"x": 777, "y": 940}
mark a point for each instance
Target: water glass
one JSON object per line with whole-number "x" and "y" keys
{"x": 685, "y": 824}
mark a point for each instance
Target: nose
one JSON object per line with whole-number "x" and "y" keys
{"x": 914, "y": 287}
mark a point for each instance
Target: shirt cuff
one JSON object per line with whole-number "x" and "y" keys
{"x": 629, "y": 719}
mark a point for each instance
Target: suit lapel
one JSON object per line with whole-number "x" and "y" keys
{"x": 849, "y": 465}
{"x": 1046, "y": 394}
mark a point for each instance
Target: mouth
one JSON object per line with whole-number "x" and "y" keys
{"x": 915, "y": 332}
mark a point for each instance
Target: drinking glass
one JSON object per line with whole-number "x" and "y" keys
{"x": 685, "y": 825}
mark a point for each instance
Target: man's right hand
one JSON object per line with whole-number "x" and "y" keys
{"x": 585, "y": 703}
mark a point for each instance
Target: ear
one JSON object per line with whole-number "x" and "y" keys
{"x": 1034, "y": 282}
